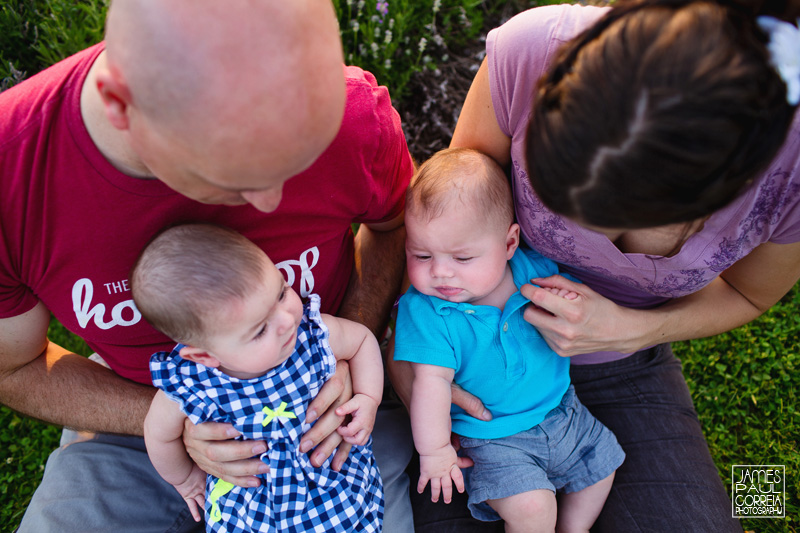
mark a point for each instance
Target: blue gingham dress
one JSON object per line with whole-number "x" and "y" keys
{"x": 294, "y": 495}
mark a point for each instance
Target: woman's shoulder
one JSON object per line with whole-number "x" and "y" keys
{"x": 561, "y": 22}
{"x": 519, "y": 51}
{"x": 544, "y": 28}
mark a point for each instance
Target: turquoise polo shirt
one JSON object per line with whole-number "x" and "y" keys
{"x": 496, "y": 355}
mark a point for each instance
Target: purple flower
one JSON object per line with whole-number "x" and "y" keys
{"x": 383, "y": 8}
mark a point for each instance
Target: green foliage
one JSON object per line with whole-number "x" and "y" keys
{"x": 393, "y": 39}
{"x": 69, "y": 27}
{"x": 25, "y": 445}
{"x": 746, "y": 387}
{"x": 18, "y": 35}
{"x": 35, "y": 34}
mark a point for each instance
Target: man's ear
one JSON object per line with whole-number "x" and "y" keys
{"x": 197, "y": 355}
{"x": 512, "y": 240}
{"x": 116, "y": 97}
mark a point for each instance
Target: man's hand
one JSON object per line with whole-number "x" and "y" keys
{"x": 469, "y": 403}
{"x": 323, "y": 437}
{"x": 212, "y": 448}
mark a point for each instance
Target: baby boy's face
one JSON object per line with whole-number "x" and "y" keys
{"x": 454, "y": 257}
{"x": 259, "y": 332}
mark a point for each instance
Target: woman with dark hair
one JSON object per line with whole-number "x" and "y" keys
{"x": 654, "y": 155}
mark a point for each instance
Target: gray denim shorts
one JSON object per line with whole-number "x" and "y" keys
{"x": 569, "y": 451}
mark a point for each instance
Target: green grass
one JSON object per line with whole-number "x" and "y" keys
{"x": 746, "y": 386}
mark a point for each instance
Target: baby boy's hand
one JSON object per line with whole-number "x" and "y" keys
{"x": 564, "y": 293}
{"x": 441, "y": 468}
{"x": 363, "y": 409}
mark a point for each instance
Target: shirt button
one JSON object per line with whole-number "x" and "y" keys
{"x": 470, "y": 311}
{"x": 505, "y": 326}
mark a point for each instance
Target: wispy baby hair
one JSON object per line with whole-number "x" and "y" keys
{"x": 468, "y": 176}
{"x": 188, "y": 272}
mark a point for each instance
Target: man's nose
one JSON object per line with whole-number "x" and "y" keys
{"x": 265, "y": 200}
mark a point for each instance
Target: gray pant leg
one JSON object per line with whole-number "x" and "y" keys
{"x": 105, "y": 483}
{"x": 392, "y": 445}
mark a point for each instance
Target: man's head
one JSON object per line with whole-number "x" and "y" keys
{"x": 224, "y": 101}
{"x": 211, "y": 288}
{"x": 460, "y": 226}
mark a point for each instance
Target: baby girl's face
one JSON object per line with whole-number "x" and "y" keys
{"x": 259, "y": 332}
{"x": 454, "y": 257}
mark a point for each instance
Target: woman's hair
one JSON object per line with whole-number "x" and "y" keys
{"x": 466, "y": 175}
{"x": 187, "y": 274}
{"x": 660, "y": 113}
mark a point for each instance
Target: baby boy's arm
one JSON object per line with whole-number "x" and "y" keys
{"x": 430, "y": 425}
{"x": 354, "y": 342}
{"x": 163, "y": 430}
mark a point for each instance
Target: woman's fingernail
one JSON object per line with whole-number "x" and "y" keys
{"x": 263, "y": 468}
{"x": 232, "y": 432}
{"x": 311, "y": 415}
{"x": 305, "y": 446}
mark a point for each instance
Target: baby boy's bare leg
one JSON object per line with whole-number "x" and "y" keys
{"x": 577, "y": 511}
{"x": 529, "y": 512}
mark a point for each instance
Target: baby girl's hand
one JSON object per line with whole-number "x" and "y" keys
{"x": 193, "y": 491}
{"x": 363, "y": 410}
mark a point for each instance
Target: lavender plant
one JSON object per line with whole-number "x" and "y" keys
{"x": 393, "y": 39}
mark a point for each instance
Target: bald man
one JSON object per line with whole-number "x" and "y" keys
{"x": 238, "y": 113}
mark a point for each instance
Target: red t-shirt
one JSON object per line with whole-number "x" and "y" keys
{"x": 71, "y": 225}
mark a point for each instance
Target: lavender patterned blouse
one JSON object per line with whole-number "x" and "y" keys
{"x": 518, "y": 53}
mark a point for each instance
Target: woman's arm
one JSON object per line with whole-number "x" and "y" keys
{"x": 593, "y": 323}
{"x": 477, "y": 125}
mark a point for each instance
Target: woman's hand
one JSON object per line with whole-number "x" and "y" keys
{"x": 585, "y": 324}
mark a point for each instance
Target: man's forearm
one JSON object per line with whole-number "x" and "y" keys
{"x": 66, "y": 389}
{"x": 376, "y": 278}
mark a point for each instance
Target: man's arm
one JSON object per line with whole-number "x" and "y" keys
{"x": 377, "y": 275}
{"x": 41, "y": 379}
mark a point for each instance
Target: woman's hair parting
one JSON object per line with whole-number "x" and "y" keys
{"x": 187, "y": 273}
{"x": 662, "y": 112}
{"x": 466, "y": 175}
